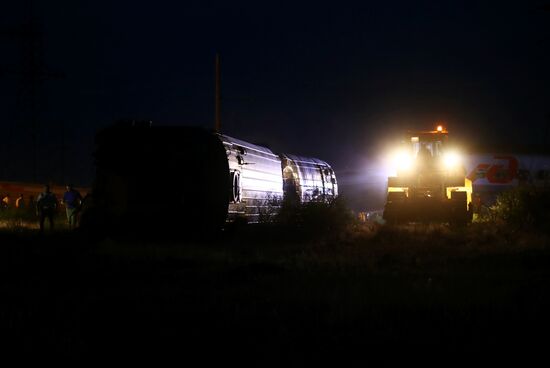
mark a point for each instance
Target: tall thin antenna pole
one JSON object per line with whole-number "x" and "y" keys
{"x": 218, "y": 123}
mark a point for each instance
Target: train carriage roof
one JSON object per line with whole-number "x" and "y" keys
{"x": 305, "y": 160}
{"x": 227, "y": 139}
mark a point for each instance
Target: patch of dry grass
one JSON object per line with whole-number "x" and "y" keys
{"x": 15, "y": 221}
{"x": 363, "y": 289}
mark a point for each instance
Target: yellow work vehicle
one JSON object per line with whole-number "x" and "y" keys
{"x": 429, "y": 181}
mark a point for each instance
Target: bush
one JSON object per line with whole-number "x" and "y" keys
{"x": 267, "y": 214}
{"x": 522, "y": 208}
{"x": 315, "y": 218}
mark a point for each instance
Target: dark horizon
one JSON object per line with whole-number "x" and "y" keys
{"x": 315, "y": 80}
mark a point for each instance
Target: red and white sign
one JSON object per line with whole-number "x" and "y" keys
{"x": 507, "y": 170}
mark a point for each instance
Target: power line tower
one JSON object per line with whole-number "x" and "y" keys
{"x": 32, "y": 73}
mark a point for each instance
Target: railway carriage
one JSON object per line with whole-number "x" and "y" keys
{"x": 191, "y": 178}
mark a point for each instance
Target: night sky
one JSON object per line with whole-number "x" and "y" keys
{"x": 333, "y": 80}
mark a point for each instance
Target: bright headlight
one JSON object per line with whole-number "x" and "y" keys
{"x": 402, "y": 160}
{"x": 451, "y": 160}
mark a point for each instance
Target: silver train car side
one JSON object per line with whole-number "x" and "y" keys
{"x": 311, "y": 178}
{"x": 194, "y": 179}
{"x": 255, "y": 178}
{"x": 260, "y": 179}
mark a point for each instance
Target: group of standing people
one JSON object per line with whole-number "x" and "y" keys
{"x": 46, "y": 205}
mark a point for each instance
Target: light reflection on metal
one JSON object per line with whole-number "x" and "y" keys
{"x": 260, "y": 183}
{"x": 266, "y": 178}
{"x": 314, "y": 179}
{"x": 213, "y": 177}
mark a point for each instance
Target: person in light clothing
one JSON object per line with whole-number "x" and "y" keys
{"x": 72, "y": 200}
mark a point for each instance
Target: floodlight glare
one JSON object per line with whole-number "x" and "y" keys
{"x": 451, "y": 160}
{"x": 402, "y": 160}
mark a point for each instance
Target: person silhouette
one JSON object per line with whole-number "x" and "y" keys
{"x": 46, "y": 205}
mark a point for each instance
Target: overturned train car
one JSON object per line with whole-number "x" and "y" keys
{"x": 190, "y": 178}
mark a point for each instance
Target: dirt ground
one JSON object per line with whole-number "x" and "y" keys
{"x": 266, "y": 296}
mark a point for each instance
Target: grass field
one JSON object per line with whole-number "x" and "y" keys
{"x": 269, "y": 294}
